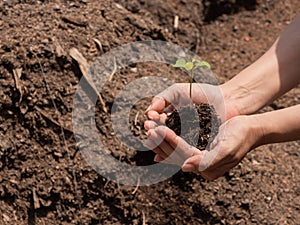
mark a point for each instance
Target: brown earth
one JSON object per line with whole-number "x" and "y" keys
{"x": 44, "y": 178}
{"x": 200, "y": 116}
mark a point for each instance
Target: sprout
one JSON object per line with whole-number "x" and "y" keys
{"x": 191, "y": 66}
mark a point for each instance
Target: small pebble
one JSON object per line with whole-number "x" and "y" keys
{"x": 246, "y": 38}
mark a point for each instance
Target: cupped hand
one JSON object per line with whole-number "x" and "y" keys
{"x": 169, "y": 147}
{"x": 235, "y": 139}
{"x": 178, "y": 95}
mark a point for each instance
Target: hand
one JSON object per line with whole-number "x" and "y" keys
{"x": 178, "y": 95}
{"x": 169, "y": 147}
{"x": 235, "y": 139}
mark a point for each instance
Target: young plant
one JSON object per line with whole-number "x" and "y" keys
{"x": 191, "y": 66}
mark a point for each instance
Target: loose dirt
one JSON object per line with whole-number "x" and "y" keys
{"x": 43, "y": 176}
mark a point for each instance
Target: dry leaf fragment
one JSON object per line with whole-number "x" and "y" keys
{"x": 83, "y": 66}
{"x": 59, "y": 50}
{"x": 36, "y": 201}
{"x": 99, "y": 44}
{"x": 75, "y": 20}
{"x": 17, "y": 75}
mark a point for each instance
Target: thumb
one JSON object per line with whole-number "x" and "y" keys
{"x": 191, "y": 164}
{"x": 156, "y": 109}
{"x": 158, "y": 104}
{"x": 202, "y": 161}
{"x": 195, "y": 163}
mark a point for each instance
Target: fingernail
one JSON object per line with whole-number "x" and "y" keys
{"x": 187, "y": 167}
{"x": 150, "y": 125}
{"x": 155, "y": 158}
{"x": 150, "y": 117}
{"x": 148, "y": 108}
{"x": 149, "y": 133}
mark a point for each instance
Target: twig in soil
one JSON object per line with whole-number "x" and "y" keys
{"x": 83, "y": 66}
{"x": 176, "y": 22}
{"x": 47, "y": 116}
{"x": 119, "y": 190}
{"x": 98, "y": 44}
{"x": 114, "y": 70}
{"x": 17, "y": 75}
{"x": 106, "y": 183}
{"x": 36, "y": 201}
{"x": 137, "y": 185}
{"x": 75, "y": 183}
{"x": 136, "y": 118}
{"x": 144, "y": 218}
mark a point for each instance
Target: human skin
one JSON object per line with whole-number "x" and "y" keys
{"x": 236, "y": 101}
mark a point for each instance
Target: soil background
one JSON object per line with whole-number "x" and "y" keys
{"x": 43, "y": 177}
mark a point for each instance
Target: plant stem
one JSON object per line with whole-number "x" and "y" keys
{"x": 191, "y": 83}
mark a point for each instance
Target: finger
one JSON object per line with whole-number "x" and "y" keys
{"x": 211, "y": 159}
{"x": 160, "y": 152}
{"x": 213, "y": 144}
{"x": 158, "y": 104}
{"x": 175, "y": 147}
{"x": 177, "y": 94}
{"x": 150, "y": 124}
{"x": 154, "y": 142}
{"x": 166, "y": 148}
{"x": 170, "y": 155}
{"x": 168, "y": 110}
{"x": 212, "y": 174}
{"x": 155, "y": 136}
{"x": 168, "y": 160}
{"x": 155, "y": 148}
{"x": 158, "y": 139}
{"x": 168, "y": 134}
{"x": 159, "y": 118}
{"x": 158, "y": 158}
{"x": 192, "y": 163}
{"x": 153, "y": 115}
{"x": 209, "y": 165}
{"x": 186, "y": 150}
{"x": 182, "y": 148}
{"x": 193, "y": 167}
{"x": 148, "y": 143}
{"x": 203, "y": 160}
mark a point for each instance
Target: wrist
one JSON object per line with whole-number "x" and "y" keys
{"x": 234, "y": 100}
{"x": 246, "y": 97}
{"x": 256, "y": 86}
{"x": 261, "y": 129}
{"x": 248, "y": 131}
{"x": 277, "y": 126}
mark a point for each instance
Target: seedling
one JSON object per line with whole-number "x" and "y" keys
{"x": 191, "y": 66}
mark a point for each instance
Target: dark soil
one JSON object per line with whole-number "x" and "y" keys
{"x": 199, "y": 126}
{"x": 43, "y": 176}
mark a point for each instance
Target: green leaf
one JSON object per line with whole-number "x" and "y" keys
{"x": 189, "y": 66}
{"x": 180, "y": 63}
{"x": 196, "y": 60}
{"x": 202, "y": 64}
